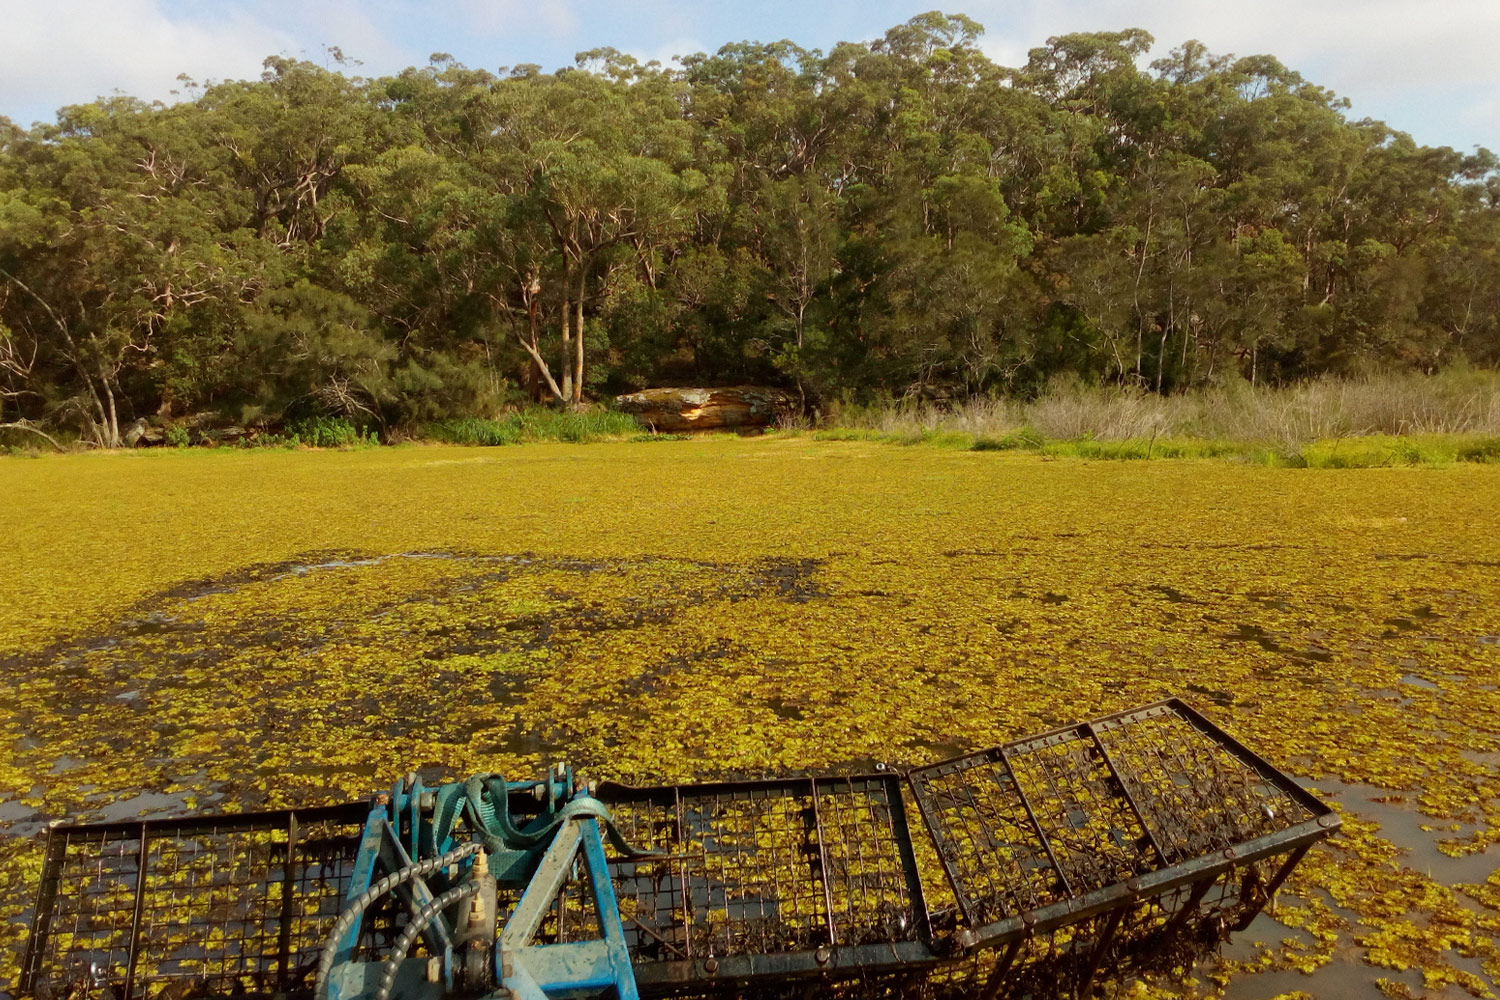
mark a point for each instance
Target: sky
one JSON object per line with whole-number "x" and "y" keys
{"x": 1431, "y": 69}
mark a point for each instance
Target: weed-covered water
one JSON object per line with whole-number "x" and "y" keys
{"x": 203, "y": 631}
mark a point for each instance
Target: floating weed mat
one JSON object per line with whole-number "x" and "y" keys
{"x": 166, "y": 649}
{"x": 225, "y": 687}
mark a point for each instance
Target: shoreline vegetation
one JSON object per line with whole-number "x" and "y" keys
{"x": 895, "y": 221}
{"x": 1378, "y": 421}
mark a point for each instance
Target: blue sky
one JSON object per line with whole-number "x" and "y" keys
{"x": 1428, "y": 69}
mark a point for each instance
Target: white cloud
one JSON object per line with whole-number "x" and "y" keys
{"x": 1381, "y": 54}
{"x": 71, "y": 51}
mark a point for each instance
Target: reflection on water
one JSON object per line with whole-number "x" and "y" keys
{"x": 1346, "y": 977}
{"x": 1401, "y": 824}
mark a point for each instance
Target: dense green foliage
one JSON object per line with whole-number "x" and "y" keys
{"x": 897, "y": 219}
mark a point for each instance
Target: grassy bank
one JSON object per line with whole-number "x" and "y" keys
{"x": 1370, "y": 422}
{"x": 529, "y": 426}
{"x": 1378, "y": 421}
{"x": 1364, "y": 452}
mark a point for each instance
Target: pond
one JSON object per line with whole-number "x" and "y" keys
{"x": 197, "y": 631}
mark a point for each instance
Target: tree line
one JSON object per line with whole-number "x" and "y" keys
{"x": 900, "y": 219}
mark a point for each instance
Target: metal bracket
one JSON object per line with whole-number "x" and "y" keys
{"x": 537, "y": 972}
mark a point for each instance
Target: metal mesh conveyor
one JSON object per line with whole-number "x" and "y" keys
{"x": 767, "y": 879}
{"x": 1142, "y": 833}
{"x": 228, "y": 904}
{"x": 1130, "y": 842}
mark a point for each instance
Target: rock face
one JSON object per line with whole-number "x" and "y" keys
{"x": 706, "y": 409}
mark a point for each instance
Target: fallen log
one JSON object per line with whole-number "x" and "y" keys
{"x": 690, "y": 409}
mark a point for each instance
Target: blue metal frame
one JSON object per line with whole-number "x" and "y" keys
{"x": 589, "y": 968}
{"x": 399, "y": 830}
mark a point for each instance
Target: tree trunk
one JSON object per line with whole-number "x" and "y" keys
{"x": 1161, "y": 357}
{"x": 539, "y": 363}
{"x": 23, "y": 425}
{"x": 578, "y": 333}
{"x": 567, "y": 360}
{"x": 112, "y": 417}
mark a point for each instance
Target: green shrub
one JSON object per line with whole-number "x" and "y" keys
{"x": 1483, "y": 450}
{"x": 177, "y": 437}
{"x": 474, "y": 431}
{"x": 329, "y": 432}
{"x": 1026, "y": 437}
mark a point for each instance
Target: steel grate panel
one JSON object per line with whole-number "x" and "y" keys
{"x": 1095, "y": 838}
{"x": 974, "y": 810}
{"x": 1045, "y": 822}
{"x": 90, "y": 880}
{"x": 126, "y": 911}
{"x": 1195, "y": 794}
{"x": 765, "y": 867}
{"x": 868, "y": 866}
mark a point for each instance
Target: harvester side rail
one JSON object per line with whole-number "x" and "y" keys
{"x": 1150, "y": 885}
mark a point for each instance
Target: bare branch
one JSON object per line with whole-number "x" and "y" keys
{"x": 26, "y": 425}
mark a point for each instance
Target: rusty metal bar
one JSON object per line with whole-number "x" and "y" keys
{"x": 1273, "y": 885}
{"x": 134, "y": 954}
{"x": 1190, "y": 907}
{"x": 1106, "y": 938}
{"x": 833, "y": 935}
{"x": 46, "y": 895}
{"x": 679, "y": 816}
{"x": 288, "y": 907}
{"x": 1135, "y": 807}
{"x": 1001, "y": 973}
{"x": 908, "y": 857}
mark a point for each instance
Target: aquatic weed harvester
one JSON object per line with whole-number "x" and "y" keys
{"x": 1132, "y": 842}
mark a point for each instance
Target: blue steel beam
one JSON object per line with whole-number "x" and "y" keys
{"x": 585, "y": 968}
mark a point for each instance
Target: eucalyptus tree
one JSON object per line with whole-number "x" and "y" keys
{"x": 121, "y": 234}
{"x": 897, "y": 217}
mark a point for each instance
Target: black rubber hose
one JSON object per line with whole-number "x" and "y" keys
{"x": 361, "y": 902}
{"x": 419, "y": 922}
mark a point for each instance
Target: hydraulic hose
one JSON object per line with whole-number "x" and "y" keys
{"x": 488, "y": 799}
{"x": 419, "y": 922}
{"x": 489, "y": 802}
{"x": 361, "y": 902}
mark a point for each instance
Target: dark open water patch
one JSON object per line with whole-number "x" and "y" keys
{"x": 1401, "y": 823}
{"x": 139, "y": 688}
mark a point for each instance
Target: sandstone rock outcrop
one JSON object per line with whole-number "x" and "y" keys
{"x": 688, "y": 409}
